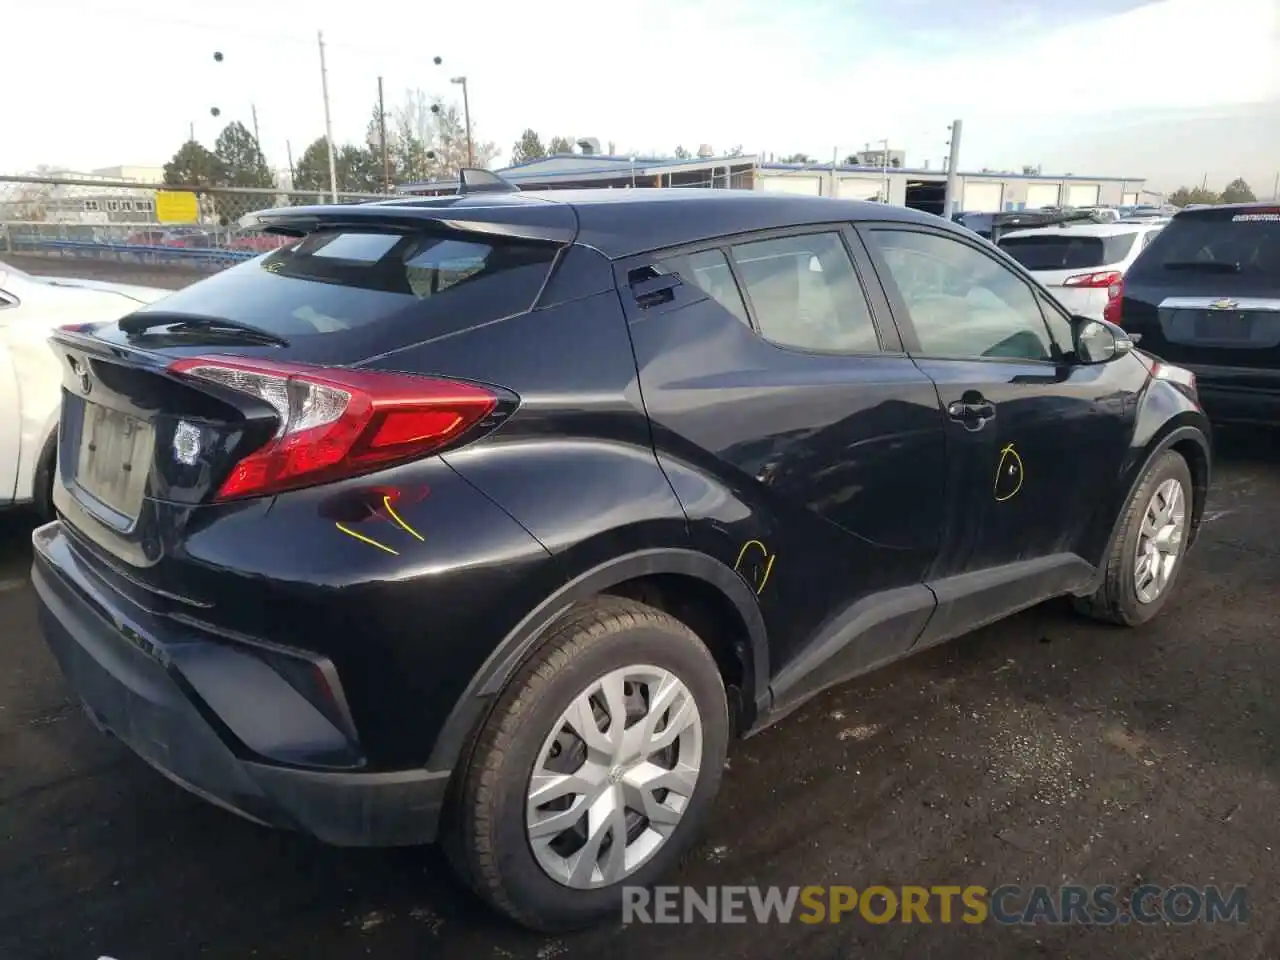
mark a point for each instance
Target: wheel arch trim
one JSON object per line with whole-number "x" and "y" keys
{"x": 515, "y": 648}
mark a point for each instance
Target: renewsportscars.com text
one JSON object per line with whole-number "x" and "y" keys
{"x": 1008, "y": 904}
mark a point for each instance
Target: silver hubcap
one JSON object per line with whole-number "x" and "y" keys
{"x": 615, "y": 776}
{"x": 1159, "y": 541}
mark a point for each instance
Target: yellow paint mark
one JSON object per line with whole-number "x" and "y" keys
{"x": 386, "y": 502}
{"x": 363, "y": 539}
{"x": 768, "y": 568}
{"x": 1010, "y": 465}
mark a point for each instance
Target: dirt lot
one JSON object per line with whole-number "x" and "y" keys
{"x": 1043, "y": 750}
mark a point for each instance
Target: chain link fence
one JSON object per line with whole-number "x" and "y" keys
{"x": 177, "y": 229}
{"x": 131, "y": 222}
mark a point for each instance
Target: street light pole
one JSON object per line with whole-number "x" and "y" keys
{"x": 466, "y": 114}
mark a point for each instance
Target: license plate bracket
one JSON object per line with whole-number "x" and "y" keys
{"x": 1230, "y": 327}
{"x": 114, "y": 459}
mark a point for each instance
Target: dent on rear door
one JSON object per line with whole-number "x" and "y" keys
{"x": 818, "y": 478}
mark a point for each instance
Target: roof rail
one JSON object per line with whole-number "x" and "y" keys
{"x": 476, "y": 180}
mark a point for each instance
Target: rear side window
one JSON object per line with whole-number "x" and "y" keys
{"x": 805, "y": 294}
{"x": 332, "y": 281}
{"x": 1223, "y": 241}
{"x": 1068, "y": 251}
{"x": 709, "y": 271}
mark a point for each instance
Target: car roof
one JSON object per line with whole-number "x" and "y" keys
{"x": 1212, "y": 209}
{"x": 1085, "y": 230}
{"x": 617, "y": 222}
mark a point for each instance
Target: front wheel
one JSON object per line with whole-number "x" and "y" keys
{"x": 599, "y": 764}
{"x": 1147, "y": 555}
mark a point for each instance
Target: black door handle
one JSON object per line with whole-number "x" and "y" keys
{"x": 972, "y": 410}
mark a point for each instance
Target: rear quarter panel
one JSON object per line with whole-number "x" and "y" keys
{"x": 575, "y": 464}
{"x": 1166, "y": 417}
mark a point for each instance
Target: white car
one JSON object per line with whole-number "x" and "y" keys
{"x": 30, "y": 377}
{"x": 1082, "y": 265}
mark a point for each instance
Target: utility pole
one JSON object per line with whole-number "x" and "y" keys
{"x": 253, "y": 109}
{"x": 1275, "y": 188}
{"x": 328, "y": 123}
{"x": 884, "y": 170}
{"x": 953, "y": 158}
{"x": 382, "y": 135}
{"x": 191, "y": 132}
{"x": 293, "y": 175}
{"x": 466, "y": 113}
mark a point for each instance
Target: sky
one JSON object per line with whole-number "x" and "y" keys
{"x": 1175, "y": 91}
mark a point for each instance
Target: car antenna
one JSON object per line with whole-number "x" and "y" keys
{"x": 476, "y": 180}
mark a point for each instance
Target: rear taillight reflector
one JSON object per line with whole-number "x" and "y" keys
{"x": 336, "y": 422}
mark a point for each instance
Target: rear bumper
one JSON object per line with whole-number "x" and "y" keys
{"x": 1238, "y": 394}
{"x": 146, "y": 690}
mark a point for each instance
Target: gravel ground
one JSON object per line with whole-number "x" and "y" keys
{"x": 1045, "y": 749}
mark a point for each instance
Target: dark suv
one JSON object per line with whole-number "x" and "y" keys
{"x": 497, "y": 516}
{"x": 1206, "y": 295}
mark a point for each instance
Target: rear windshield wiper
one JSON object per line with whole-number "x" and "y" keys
{"x": 179, "y": 322}
{"x": 1208, "y": 266}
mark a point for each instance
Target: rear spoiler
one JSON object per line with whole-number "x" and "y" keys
{"x": 502, "y": 211}
{"x": 1002, "y": 223}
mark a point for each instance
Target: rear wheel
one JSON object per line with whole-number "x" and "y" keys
{"x": 1147, "y": 555}
{"x": 596, "y": 769}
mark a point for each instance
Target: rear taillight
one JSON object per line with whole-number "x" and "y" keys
{"x": 1115, "y": 300}
{"x": 1098, "y": 280}
{"x": 336, "y": 422}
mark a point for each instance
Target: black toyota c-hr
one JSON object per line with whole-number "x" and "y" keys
{"x": 495, "y": 517}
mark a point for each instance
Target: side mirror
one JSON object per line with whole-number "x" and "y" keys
{"x": 1098, "y": 341}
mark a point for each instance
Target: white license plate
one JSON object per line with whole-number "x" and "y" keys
{"x": 115, "y": 457}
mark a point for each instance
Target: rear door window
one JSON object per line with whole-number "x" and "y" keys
{"x": 1067, "y": 251}
{"x": 1225, "y": 241}
{"x": 339, "y": 280}
{"x": 708, "y": 270}
{"x": 805, "y": 294}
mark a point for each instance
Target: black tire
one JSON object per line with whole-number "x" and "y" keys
{"x": 1116, "y": 600}
{"x": 42, "y": 486}
{"x": 486, "y": 837}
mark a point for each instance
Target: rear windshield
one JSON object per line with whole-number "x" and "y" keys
{"x": 1224, "y": 241}
{"x": 1068, "y": 251}
{"x": 336, "y": 280}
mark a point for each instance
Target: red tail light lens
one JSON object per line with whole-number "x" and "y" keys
{"x": 1115, "y": 300}
{"x": 336, "y": 422}
{"x": 1104, "y": 278}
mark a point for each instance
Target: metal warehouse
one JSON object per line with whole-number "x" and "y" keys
{"x": 920, "y": 189}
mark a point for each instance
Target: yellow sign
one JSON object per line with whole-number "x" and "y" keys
{"x": 177, "y": 206}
